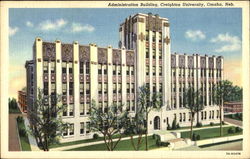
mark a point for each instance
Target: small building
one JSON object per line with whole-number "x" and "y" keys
{"x": 233, "y": 107}
{"x": 22, "y": 101}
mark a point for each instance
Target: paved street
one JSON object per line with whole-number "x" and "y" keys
{"x": 14, "y": 144}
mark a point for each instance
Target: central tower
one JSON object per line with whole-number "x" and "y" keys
{"x": 149, "y": 36}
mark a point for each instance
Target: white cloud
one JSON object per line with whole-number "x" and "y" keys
{"x": 13, "y": 31}
{"x": 195, "y": 35}
{"x": 231, "y": 43}
{"x": 29, "y": 24}
{"x": 77, "y": 27}
{"x": 52, "y": 25}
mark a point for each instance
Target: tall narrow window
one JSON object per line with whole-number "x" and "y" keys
{"x": 87, "y": 127}
{"x": 154, "y": 71}
{"x": 154, "y": 53}
{"x": 160, "y": 37}
{"x": 132, "y": 70}
{"x": 45, "y": 88}
{"x": 81, "y": 67}
{"x": 71, "y": 88}
{"x": 147, "y": 70}
{"x": 160, "y": 70}
{"x": 127, "y": 70}
{"x": 99, "y": 69}
{"x": 105, "y": 105}
{"x": 64, "y": 89}
{"x": 87, "y": 88}
{"x": 87, "y": 68}
{"x": 105, "y": 70}
{"x": 81, "y": 88}
{"x": 128, "y": 88}
{"x": 52, "y": 66}
{"x": 64, "y": 65}
{"x": 147, "y": 52}
{"x": 71, "y": 110}
{"x": 119, "y": 88}
{"x": 160, "y": 87}
{"x": 147, "y": 35}
{"x": 70, "y": 67}
{"x": 114, "y": 70}
{"x": 82, "y": 128}
{"x": 114, "y": 88}
{"x": 105, "y": 88}
{"x": 65, "y": 110}
{"x": 119, "y": 71}
{"x": 160, "y": 54}
{"x": 132, "y": 88}
{"x": 87, "y": 108}
{"x": 154, "y": 36}
{"x": 81, "y": 109}
{"x": 71, "y": 129}
{"x": 45, "y": 66}
{"x": 100, "y": 88}
{"x": 53, "y": 88}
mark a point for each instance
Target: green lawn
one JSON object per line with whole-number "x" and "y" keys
{"x": 124, "y": 145}
{"x": 203, "y": 126}
{"x": 209, "y": 133}
{"x": 237, "y": 116}
{"x": 80, "y": 142}
{"x": 23, "y": 139}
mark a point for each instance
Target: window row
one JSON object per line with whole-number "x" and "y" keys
{"x": 154, "y": 53}
{"x": 153, "y": 70}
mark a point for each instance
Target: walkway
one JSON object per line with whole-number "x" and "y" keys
{"x": 32, "y": 140}
{"x": 87, "y": 144}
{"x": 14, "y": 144}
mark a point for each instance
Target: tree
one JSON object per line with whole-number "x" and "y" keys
{"x": 136, "y": 126}
{"x": 221, "y": 92}
{"x": 146, "y": 104}
{"x": 46, "y": 123}
{"x": 109, "y": 123}
{"x": 193, "y": 101}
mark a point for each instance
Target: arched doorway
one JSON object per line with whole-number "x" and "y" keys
{"x": 157, "y": 123}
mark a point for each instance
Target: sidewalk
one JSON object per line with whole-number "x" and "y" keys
{"x": 32, "y": 140}
{"x": 87, "y": 144}
{"x": 14, "y": 144}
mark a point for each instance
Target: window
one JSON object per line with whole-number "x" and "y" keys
{"x": 189, "y": 114}
{"x": 213, "y": 114}
{"x": 105, "y": 105}
{"x": 105, "y": 71}
{"x": 100, "y": 88}
{"x": 70, "y": 67}
{"x": 218, "y": 114}
{"x": 147, "y": 35}
{"x": 160, "y": 70}
{"x": 71, "y": 129}
{"x": 114, "y": 70}
{"x": 160, "y": 54}
{"x": 205, "y": 115}
{"x": 81, "y": 88}
{"x": 133, "y": 88}
{"x": 45, "y": 66}
{"x": 133, "y": 105}
{"x": 119, "y": 88}
{"x": 180, "y": 117}
{"x": 82, "y": 128}
{"x": 65, "y": 110}
{"x": 52, "y": 66}
{"x": 100, "y": 105}
{"x": 87, "y": 127}
{"x": 64, "y": 67}
{"x": 105, "y": 88}
{"x": 127, "y": 70}
{"x": 87, "y": 88}
{"x": 132, "y": 70}
{"x": 128, "y": 106}
{"x": 147, "y": 52}
{"x": 45, "y": 88}
{"x": 128, "y": 88}
{"x": 99, "y": 69}
{"x": 71, "y": 110}
{"x": 147, "y": 70}
{"x": 154, "y": 53}
{"x": 114, "y": 88}
{"x": 53, "y": 88}
{"x": 160, "y": 87}
{"x": 71, "y": 88}
{"x": 160, "y": 37}
{"x": 154, "y": 87}
{"x": 119, "y": 70}
{"x": 64, "y": 89}
{"x": 65, "y": 132}
{"x": 87, "y": 67}
{"x": 202, "y": 116}
{"x": 184, "y": 116}
{"x": 154, "y": 36}
{"x": 154, "y": 71}
{"x": 87, "y": 108}
{"x": 81, "y": 109}
{"x": 81, "y": 67}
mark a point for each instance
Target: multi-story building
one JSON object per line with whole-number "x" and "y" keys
{"x": 22, "y": 101}
{"x": 232, "y": 107}
{"x": 85, "y": 72}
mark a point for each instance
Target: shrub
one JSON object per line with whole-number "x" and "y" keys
{"x": 238, "y": 129}
{"x": 22, "y": 132}
{"x": 211, "y": 124}
{"x": 230, "y": 131}
{"x": 153, "y": 136}
{"x": 19, "y": 119}
{"x": 194, "y": 137}
{"x": 158, "y": 142}
{"x": 223, "y": 123}
{"x": 95, "y": 136}
{"x": 198, "y": 137}
{"x": 164, "y": 144}
{"x": 178, "y": 126}
{"x": 199, "y": 124}
{"x": 169, "y": 127}
{"x": 174, "y": 124}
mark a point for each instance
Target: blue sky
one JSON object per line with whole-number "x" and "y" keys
{"x": 215, "y": 31}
